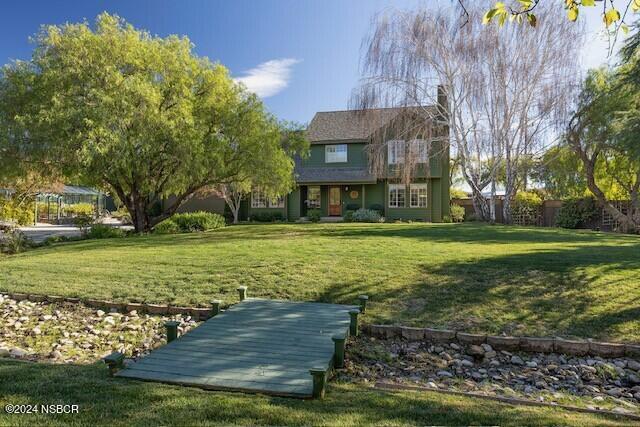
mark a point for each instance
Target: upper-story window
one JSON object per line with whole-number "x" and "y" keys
{"x": 420, "y": 150}
{"x": 335, "y": 153}
{"x": 396, "y": 151}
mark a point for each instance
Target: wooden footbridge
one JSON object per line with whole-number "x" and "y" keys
{"x": 274, "y": 347}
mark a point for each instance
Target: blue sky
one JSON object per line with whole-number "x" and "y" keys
{"x": 302, "y": 56}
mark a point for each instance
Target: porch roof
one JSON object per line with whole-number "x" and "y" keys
{"x": 317, "y": 175}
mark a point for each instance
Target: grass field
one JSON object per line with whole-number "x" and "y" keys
{"x": 467, "y": 276}
{"x": 117, "y": 402}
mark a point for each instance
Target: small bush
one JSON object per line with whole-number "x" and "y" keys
{"x": 102, "y": 231}
{"x": 80, "y": 209}
{"x": 123, "y": 215}
{"x": 22, "y": 214}
{"x": 267, "y": 216}
{"x": 378, "y": 208}
{"x": 198, "y": 221}
{"x": 525, "y": 208}
{"x": 83, "y": 222}
{"x": 168, "y": 226}
{"x": 457, "y": 213}
{"x": 314, "y": 215}
{"x": 367, "y": 215}
{"x": 348, "y": 216}
{"x": 578, "y": 213}
{"x": 14, "y": 241}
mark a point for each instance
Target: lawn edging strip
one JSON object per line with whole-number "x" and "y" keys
{"x": 508, "y": 343}
{"x": 198, "y": 313}
{"x": 502, "y": 399}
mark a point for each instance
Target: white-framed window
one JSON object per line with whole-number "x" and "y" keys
{"x": 397, "y": 195}
{"x": 420, "y": 150}
{"x": 335, "y": 153}
{"x": 313, "y": 197}
{"x": 418, "y": 195}
{"x": 395, "y": 151}
{"x": 278, "y": 202}
{"x": 258, "y": 199}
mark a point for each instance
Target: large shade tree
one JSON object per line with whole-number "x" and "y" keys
{"x": 137, "y": 114}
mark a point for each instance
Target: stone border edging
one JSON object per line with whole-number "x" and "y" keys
{"x": 528, "y": 344}
{"x": 197, "y": 313}
{"x": 507, "y": 400}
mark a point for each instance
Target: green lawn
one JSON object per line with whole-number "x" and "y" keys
{"x": 117, "y": 402}
{"x": 471, "y": 277}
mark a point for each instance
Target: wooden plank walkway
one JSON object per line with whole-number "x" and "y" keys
{"x": 257, "y": 345}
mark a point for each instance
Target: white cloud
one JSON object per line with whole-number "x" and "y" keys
{"x": 268, "y": 78}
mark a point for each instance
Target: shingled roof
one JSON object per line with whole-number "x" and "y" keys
{"x": 346, "y": 175}
{"x": 347, "y": 125}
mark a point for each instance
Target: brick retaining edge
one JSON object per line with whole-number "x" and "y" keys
{"x": 198, "y": 313}
{"x": 527, "y": 344}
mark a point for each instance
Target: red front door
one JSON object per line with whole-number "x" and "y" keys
{"x": 335, "y": 205}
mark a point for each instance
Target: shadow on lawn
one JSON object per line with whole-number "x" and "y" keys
{"x": 107, "y": 401}
{"x": 585, "y": 291}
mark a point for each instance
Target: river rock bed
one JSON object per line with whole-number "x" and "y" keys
{"x": 74, "y": 333}
{"x": 591, "y": 382}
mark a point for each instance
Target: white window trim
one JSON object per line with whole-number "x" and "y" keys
{"x": 396, "y": 203}
{"x": 426, "y": 195}
{"x": 395, "y": 151}
{"x": 258, "y": 199}
{"x": 319, "y": 198}
{"x": 335, "y": 155}
{"x": 277, "y": 202}
{"x": 419, "y": 149}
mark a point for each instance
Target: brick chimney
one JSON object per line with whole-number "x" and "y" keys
{"x": 443, "y": 102}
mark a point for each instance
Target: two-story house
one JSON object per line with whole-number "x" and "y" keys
{"x": 337, "y": 175}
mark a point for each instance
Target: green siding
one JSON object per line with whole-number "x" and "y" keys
{"x": 257, "y": 211}
{"x": 346, "y": 196}
{"x": 356, "y": 156}
{"x": 293, "y": 205}
{"x": 374, "y": 194}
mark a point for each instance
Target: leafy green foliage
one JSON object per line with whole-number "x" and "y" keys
{"x": 86, "y": 209}
{"x": 20, "y": 213}
{"x": 138, "y": 114}
{"x": 367, "y": 215}
{"x": 168, "y": 226}
{"x": 83, "y": 222}
{"x": 457, "y": 213}
{"x": 578, "y": 213}
{"x": 314, "y": 215}
{"x": 102, "y": 231}
{"x": 456, "y": 193}
{"x": 267, "y": 216}
{"x": 526, "y": 207}
{"x": 198, "y": 221}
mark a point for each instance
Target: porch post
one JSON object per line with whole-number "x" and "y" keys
{"x": 364, "y": 205}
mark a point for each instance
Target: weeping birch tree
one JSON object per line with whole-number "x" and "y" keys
{"x": 504, "y": 91}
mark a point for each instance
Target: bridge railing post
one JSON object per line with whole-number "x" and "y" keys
{"x": 215, "y": 307}
{"x": 319, "y": 382}
{"x": 338, "y": 353}
{"x": 172, "y": 330}
{"x": 353, "y": 326}
{"x": 242, "y": 292}
{"x": 363, "y": 303}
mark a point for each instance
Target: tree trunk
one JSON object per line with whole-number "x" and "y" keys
{"x": 492, "y": 206}
{"x": 235, "y": 212}
{"x": 480, "y": 205}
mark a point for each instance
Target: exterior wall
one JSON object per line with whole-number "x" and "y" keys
{"x": 408, "y": 213}
{"x": 356, "y": 156}
{"x": 213, "y": 204}
{"x": 293, "y": 205}
{"x": 374, "y": 195}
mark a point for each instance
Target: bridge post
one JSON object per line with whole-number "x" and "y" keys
{"x": 353, "y": 327}
{"x": 172, "y": 330}
{"x": 242, "y": 293}
{"x": 363, "y": 303}
{"x": 319, "y": 382}
{"x": 338, "y": 353}
{"x": 215, "y": 307}
{"x": 114, "y": 361}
